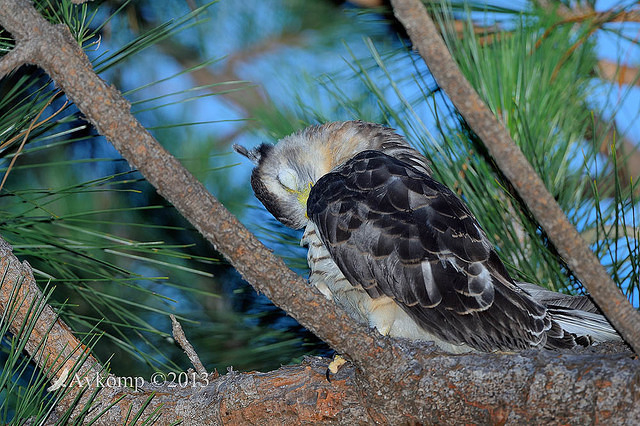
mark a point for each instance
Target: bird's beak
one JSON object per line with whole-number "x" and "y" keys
{"x": 303, "y": 196}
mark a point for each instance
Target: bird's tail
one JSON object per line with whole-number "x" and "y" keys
{"x": 582, "y": 324}
{"x": 575, "y": 314}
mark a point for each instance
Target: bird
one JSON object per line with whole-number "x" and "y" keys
{"x": 402, "y": 253}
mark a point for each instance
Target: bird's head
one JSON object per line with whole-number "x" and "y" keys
{"x": 286, "y": 172}
{"x": 282, "y": 180}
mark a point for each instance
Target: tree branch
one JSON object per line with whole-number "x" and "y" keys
{"x": 187, "y": 347}
{"x": 14, "y": 59}
{"x": 110, "y": 113}
{"x": 621, "y": 74}
{"x": 588, "y": 14}
{"x": 584, "y": 264}
{"x": 393, "y": 382}
{"x": 229, "y": 398}
{"x": 420, "y": 383}
{"x": 583, "y": 11}
{"x": 53, "y": 345}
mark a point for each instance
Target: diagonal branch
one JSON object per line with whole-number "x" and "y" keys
{"x": 109, "y": 112}
{"x": 584, "y": 264}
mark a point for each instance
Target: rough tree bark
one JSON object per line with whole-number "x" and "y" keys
{"x": 421, "y": 385}
{"x": 391, "y": 382}
{"x": 298, "y": 393}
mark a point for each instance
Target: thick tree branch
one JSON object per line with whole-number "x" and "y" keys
{"x": 230, "y": 398}
{"x": 584, "y": 264}
{"x": 421, "y": 385}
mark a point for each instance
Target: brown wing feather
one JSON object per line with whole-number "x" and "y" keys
{"x": 397, "y": 232}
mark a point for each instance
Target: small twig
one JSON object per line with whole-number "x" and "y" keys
{"x": 13, "y": 60}
{"x": 36, "y": 125}
{"x": 567, "y": 54}
{"x": 33, "y": 125}
{"x": 178, "y": 335}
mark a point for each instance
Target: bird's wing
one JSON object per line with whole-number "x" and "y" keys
{"x": 395, "y": 231}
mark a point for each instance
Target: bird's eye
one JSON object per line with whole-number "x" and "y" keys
{"x": 288, "y": 179}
